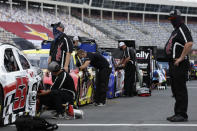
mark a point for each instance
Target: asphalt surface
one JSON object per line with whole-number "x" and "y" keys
{"x": 131, "y": 114}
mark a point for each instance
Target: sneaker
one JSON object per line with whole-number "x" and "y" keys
{"x": 95, "y": 103}
{"x": 178, "y": 118}
{"x": 79, "y": 114}
{"x": 99, "y": 104}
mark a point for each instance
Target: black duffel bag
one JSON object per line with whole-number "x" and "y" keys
{"x": 29, "y": 123}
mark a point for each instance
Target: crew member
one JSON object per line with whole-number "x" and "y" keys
{"x": 128, "y": 62}
{"x": 177, "y": 48}
{"x": 61, "y": 47}
{"x": 61, "y": 92}
{"x": 102, "y": 75}
{"x": 76, "y": 43}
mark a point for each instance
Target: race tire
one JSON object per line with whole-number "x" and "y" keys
{"x": 1, "y": 105}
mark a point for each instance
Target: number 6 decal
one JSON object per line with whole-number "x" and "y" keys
{"x": 21, "y": 93}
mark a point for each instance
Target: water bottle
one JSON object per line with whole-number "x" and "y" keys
{"x": 78, "y": 114}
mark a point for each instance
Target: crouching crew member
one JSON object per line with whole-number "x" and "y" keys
{"x": 177, "y": 48}
{"x": 102, "y": 75}
{"x": 62, "y": 91}
{"x": 128, "y": 62}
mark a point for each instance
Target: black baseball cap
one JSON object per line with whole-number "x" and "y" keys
{"x": 54, "y": 66}
{"x": 59, "y": 24}
{"x": 174, "y": 13}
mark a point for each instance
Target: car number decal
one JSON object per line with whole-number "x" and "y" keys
{"x": 21, "y": 93}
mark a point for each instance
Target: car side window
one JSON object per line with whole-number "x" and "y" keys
{"x": 24, "y": 62}
{"x": 10, "y": 61}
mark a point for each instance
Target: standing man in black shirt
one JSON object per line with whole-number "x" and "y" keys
{"x": 128, "y": 62}
{"x": 177, "y": 49}
{"x": 61, "y": 47}
{"x": 102, "y": 76}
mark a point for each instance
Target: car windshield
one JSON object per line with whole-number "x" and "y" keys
{"x": 34, "y": 62}
{"x": 43, "y": 62}
{"x": 38, "y": 60}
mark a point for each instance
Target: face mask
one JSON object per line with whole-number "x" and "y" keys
{"x": 176, "y": 22}
{"x": 56, "y": 33}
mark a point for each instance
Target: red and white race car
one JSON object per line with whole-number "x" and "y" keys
{"x": 19, "y": 81}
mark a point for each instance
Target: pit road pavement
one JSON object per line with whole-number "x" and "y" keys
{"x": 131, "y": 114}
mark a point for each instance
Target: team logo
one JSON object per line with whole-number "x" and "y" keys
{"x": 142, "y": 55}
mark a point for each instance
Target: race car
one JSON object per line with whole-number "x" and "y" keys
{"x": 116, "y": 78}
{"x": 83, "y": 80}
{"x": 112, "y": 77}
{"x": 19, "y": 81}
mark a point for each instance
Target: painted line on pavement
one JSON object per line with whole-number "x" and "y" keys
{"x": 192, "y": 86}
{"x": 127, "y": 125}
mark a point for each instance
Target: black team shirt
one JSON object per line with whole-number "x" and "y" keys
{"x": 175, "y": 45}
{"x": 64, "y": 82}
{"x": 129, "y": 52}
{"x": 59, "y": 48}
{"x": 97, "y": 60}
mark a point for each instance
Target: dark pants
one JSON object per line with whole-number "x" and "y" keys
{"x": 129, "y": 80}
{"x": 178, "y": 76}
{"x": 102, "y": 80}
{"x": 55, "y": 99}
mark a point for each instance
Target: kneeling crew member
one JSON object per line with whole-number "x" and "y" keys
{"x": 102, "y": 75}
{"x": 62, "y": 91}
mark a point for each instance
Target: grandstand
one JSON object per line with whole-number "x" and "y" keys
{"x": 106, "y": 21}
